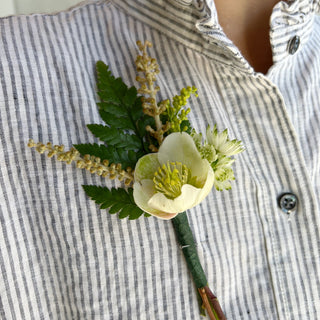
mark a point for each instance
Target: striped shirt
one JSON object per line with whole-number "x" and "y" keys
{"x": 63, "y": 258}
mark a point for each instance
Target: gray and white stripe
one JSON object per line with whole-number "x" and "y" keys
{"x": 63, "y": 258}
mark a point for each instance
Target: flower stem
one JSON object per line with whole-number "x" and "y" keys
{"x": 188, "y": 246}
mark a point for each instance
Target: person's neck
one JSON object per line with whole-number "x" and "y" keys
{"x": 246, "y": 23}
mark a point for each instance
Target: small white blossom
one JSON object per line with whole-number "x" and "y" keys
{"x": 218, "y": 150}
{"x": 221, "y": 142}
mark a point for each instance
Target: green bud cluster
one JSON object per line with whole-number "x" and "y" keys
{"x": 176, "y": 113}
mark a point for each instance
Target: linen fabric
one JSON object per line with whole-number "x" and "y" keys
{"x": 63, "y": 258}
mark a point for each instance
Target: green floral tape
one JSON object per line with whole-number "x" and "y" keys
{"x": 188, "y": 246}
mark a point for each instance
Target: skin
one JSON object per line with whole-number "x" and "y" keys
{"x": 246, "y": 23}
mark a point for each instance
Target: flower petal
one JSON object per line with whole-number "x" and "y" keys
{"x": 142, "y": 192}
{"x": 146, "y": 167}
{"x": 180, "y": 147}
{"x": 188, "y": 197}
{"x": 207, "y": 186}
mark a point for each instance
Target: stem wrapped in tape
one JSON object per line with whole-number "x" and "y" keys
{"x": 188, "y": 246}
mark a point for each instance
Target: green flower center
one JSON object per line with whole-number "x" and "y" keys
{"x": 170, "y": 178}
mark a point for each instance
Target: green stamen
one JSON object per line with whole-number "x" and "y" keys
{"x": 170, "y": 178}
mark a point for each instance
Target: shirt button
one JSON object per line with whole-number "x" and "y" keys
{"x": 288, "y": 203}
{"x": 293, "y": 44}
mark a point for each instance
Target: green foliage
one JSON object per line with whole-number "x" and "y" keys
{"x": 117, "y": 200}
{"x": 185, "y": 126}
{"x": 176, "y": 114}
{"x": 124, "y": 138}
{"x": 124, "y": 135}
{"x": 127, "y": 158}
{"x": 111, "y": 136}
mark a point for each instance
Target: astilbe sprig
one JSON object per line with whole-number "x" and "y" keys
{"x": 91, "y": 163}
{"x": 149, "y": 68}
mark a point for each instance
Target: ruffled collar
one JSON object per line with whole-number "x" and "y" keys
{"x": 195, "y": 24}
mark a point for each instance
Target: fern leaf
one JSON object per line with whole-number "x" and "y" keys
{"x": 118, "y": 200}
{"x": 113, "y": 154}
{"x": 123, "y": 123}
{"x": 130, "y": 96}
{"x": 121, "y": 109}
{"x": 109, "y": 88}
{"x": 115, "y": 138}
{"x": 112, "y": 108}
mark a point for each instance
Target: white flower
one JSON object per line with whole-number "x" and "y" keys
{"x": 221, "y": 142}
{"x": 218, "y": 149}
{"x": 174, "y": 179}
